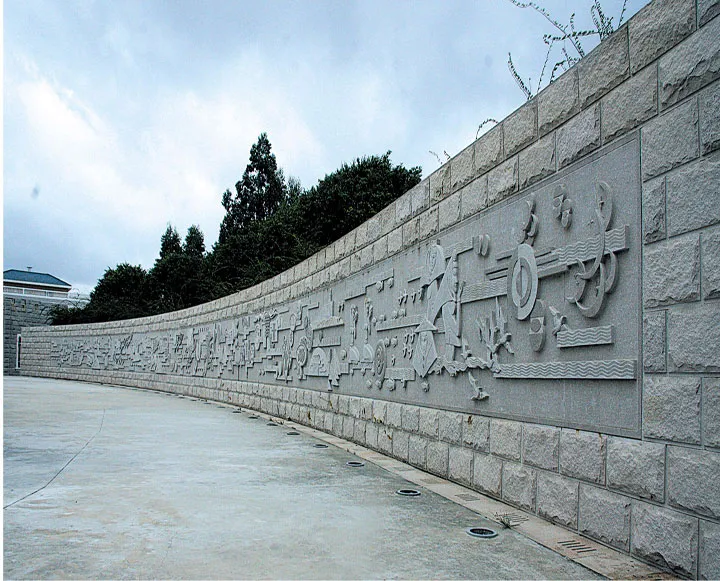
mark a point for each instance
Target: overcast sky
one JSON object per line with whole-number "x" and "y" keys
{"x": 121, "y": 116}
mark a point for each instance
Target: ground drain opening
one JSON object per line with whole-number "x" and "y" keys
{"x": 407, "y": 492}
{"x": 271, "y": 424}
{"x": 320, "y": 445}
{"x": 481, "y": 532}
{"x": 355, "y": 464}
{"x": 253, "y": 417}
{"x": 293, "y": 433}
{"x": 237, "y": 412}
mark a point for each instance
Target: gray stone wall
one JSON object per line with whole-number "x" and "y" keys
{"x": 650, "y": 491}
{"x": 19, "y": 312}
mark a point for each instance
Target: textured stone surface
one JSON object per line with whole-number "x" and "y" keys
{"x": 428, "y": 222}
{"x": 410, "y": 232}
{"x": 449, "y": 211}
{"x": 709, "y": 103}
{"x": 670, "y": 140}
{"x": 410, "y": 418}
{"x": 557, "y": 499}
{"x": 693, "y": 477}
{"x": 579, "y": 136}
{"x": 520, "y": 128}
{"x": 582, "y": 455}
{"x": 653, "y": 204}
{"x": 487, "y": 474}
{"x": 488, "y": 150}
{"x": 558, "y": 102}
{"x": 605, "y": 516}
{"x": 420, "y": 197}
{"x": 394, "y": 241}
{"x": 503, "y": 181}
{"x": 707, "y": 10}
{"x": 429, "y": 422}
{"x": 518, "y": 485}
{"x": 474, "y": 197}
{"x": 711, "y": 411}
{"x": 690, "y": 66}
{"x": 657, "y": 28}
{"x": 541, "y": 446}
{"x": 476, "y": 432}
{"x": 711, "y": 264}
{"x": 450, "y": 427}
{"x": 460, "y": 465}
{"x": 461, "y": 168}
{"x": 665, "y": 537}
{"x": 393, "y": 414}
{"x": 537, "y": 161}
{"x": 671, "y": 272}
{"x": 505, "y": 438}
{"x": 709, "y": 550}
{"x": 400, "y": 445}
{"x": 417, "y": 450}
{"x": 604, "y": 68}
{"x": 654, "y": 341}
{"x": 636, "y": 468}
{"x": 437, "y": 458}
{"x": 693, "y": 337}
{"x": 440, "y": 183}
{"x": 692, "y": 196}
{"x": 671, "y": 408}
{"x": 630, "y": 104}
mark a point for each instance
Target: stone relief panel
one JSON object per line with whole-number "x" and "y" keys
{"x": 530, "y": 310}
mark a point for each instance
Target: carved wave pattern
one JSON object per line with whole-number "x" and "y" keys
{"x": 585, "y": 337}
{"x": 611, "y": 369}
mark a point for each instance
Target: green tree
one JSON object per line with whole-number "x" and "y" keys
{"x": 170, "y": 242}
{"x": 119, "y": 294}
{"x": 194, "y": 245}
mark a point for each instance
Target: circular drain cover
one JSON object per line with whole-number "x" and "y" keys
{"x": 293, "y": 433}
{"x": 407, "y": 492}
{"x": 320, "y": 445}
{"x": 271, "y": 424}
{"x": 355, "y": 464}
{"x": 237, "y": 412}
{"x": 253, "y": 417}
{"x": 481, "y": 532}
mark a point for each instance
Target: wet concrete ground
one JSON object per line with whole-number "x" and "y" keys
{"x": 138, "y": 484}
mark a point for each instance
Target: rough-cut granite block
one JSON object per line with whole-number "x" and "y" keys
{"x": 671, "y": 272}
{"x": 604, "y": 68}
{"x": 636, "y": 467}
{"x": 692, "y": 196}
{"x": 671, "y": 408}
{"x": 654, "y": 341}
{"x": 693, "y": 477}
{"x": 558, "y": 102}
{"x": 670, "y": 140}
{"x": 605, "y": 516}
{"x": 653, "y": 203}
{"x": 693, "y": 338}
{"x": 557, "y": 499}
{"x": 520, "y": 128}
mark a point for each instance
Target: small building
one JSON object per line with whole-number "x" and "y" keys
{"x": 28, "y": 298}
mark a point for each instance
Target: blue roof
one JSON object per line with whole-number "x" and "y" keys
{"x": 33, "y": 277}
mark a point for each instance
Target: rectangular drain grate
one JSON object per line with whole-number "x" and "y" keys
{"x": 577, "y": 546}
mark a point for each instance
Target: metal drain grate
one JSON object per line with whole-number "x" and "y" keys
{"x": 577, "y": 546}
{"x": 271, "y": 424}
{"x": 253, "y": 417}
{"x": 293, "y": 433}
{"x": 408, "y": 492}
{"x": 481, "y": 532}
{"x": 355, "y": 464}
{"x": 320, "y": 445}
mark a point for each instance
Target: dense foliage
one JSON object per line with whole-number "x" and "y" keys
{"x": 271, "y": 223}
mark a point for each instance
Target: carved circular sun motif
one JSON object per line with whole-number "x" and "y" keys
{"x": 380, "y": 360}
{"x": 523, "y": 281}
{"x": 302, "y": 352}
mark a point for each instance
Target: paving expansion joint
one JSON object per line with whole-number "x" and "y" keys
{"x": 594, "y": 556}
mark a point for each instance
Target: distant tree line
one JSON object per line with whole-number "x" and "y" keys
{"x": 271, "y": 223}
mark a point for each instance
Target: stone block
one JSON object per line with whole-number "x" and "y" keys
{"x": 557, "y": 499}
{"x": 503, "y": 181}
{"x": 487, "y": 474}
{"x": 371, "y": 435}
{"x": 709, "y": 566}
{"x": 690, "y": 66}
{"x": 653, "y": 210}
{"x": 428, "y": 223}
{"x": 693, "y": 477}
{"x": 374, "y": 231}
{"x": 579, "y": 136}
{"x": 604, "y": 68}
{"x": 605, "y": 516}
{"x": 385, "y": 440}
{"x": 394, "y": 241}
{"x": 393, "y": 414}
{"x": 476, "y": 433}
{"x": 654, "y": 341}
{"x": 403, "y": 210}
{"x": 359, "y": 432}
{"x": 420, "y": 197}
{"x": 670, "y": 140}
{"x": 410, "y": 232}
{"x": 692, "y": 196}
{"x": 671, "y": 408}
{"x": 582, "y": 455}
{"x": 361, "y": 235}
{"x": 437, "y": 458}
{"x": 488, "y": 150}
{"x": 537, "y": 161}
{"x": 461, "y": 168}
{"x": 707, "y": 10}
{"x": 429, "y": 422}
{"x": 417, "y": 451}
{"x": 410, "y": 418}
{"x": 450, "y": 427}
{"x": 379, "y": 411}
{"x": 558, "y": 102}
{"x": 709, "y": 103}
{"x": 520, "y": 128}
{"x": 337, "y": 423}
{"x": 348, "y": 428}
{"x": 449, "y": 211}
{"x": 671, "y": 272}
{"x": 400, "y": 445}
{"x": 460, "y": 466}
{"x": 519, "y": 485}
{"x": 474, "y": 197}
{"x": 380, "y": 249}
{"x": 711, "y": 411}
{"x": 657, "y": 28}
{"x": 665, "y": 537}
{"x": 636, "y": 467}
{"x": 693, "y": 339}
{"x": 541, "y": 446}
{"x": 711, "y": 264}
{"x": 439, "y": 184}
{"x": 505, "y": 438}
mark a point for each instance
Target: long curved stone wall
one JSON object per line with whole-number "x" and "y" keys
{"x": 536, "y": 320}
